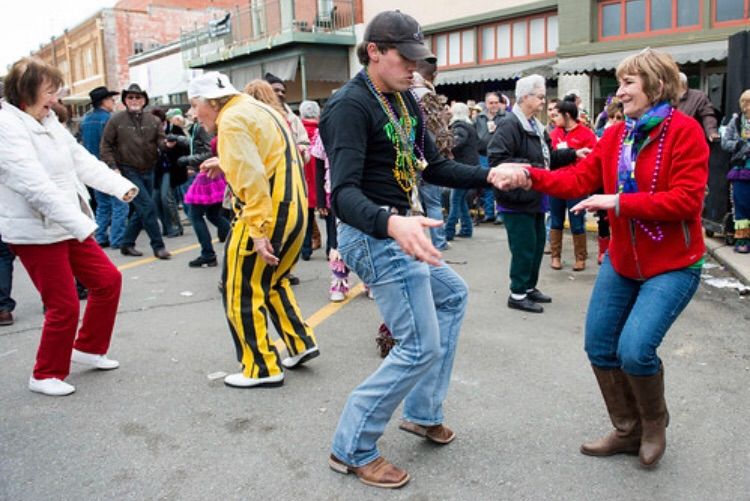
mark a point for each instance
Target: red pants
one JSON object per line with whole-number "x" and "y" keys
{"x": 52, "y": 268}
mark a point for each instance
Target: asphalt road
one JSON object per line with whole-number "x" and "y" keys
{"x": 522, "y": 399}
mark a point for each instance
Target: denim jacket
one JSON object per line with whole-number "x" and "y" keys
{"x": 92, "y": 127}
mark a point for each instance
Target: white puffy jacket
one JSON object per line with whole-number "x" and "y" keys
{"x": 42, "y": 175}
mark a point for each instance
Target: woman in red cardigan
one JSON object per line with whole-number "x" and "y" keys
{"x": 652, "y": 268}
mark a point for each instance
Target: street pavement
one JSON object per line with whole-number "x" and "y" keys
{"x": 522, "y": 398}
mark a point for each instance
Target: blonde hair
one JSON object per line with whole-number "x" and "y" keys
{"x": 744, "y": 99}
{"x": 659, "y": 73}
{"x": 263, "y": 92}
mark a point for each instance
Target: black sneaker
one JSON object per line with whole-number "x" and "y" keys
{"x": 203, "y": 261}
{"x": 537, "y": 296}
{"x": 293, "y": 280}
{"x": 524, "y": 304}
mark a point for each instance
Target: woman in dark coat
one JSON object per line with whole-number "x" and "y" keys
{"x": 465, "y": 150}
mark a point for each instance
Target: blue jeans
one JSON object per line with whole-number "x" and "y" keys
{"x": 6, "y": 277}
{"x": 423, "y": 306}
{"x": 144, "y": 216}
{"x": 488, "y": 195}
{"x": 113, "y": 213}
{"x": 430, "y": 194}
{"x": 459, "y": 211}
{"x": 214, "y": 214}
{"x": 166, "y": 206}
{"x": 627, "y": 319}
{"x": 557, "y": 209}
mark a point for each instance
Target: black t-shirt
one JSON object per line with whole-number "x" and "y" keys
{"x": 362, "y": 158}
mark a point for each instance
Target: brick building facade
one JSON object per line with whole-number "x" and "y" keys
{"x": 96, "y": 51}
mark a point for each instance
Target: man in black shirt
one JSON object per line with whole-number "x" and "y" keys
{"x": 374, "y": 135}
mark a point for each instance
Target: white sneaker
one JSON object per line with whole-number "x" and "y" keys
{"x": 51, "y": 386}
{"x": 240, "y": 381}
{"x": 301, "y": 358}
{"x": 98, "y": 361}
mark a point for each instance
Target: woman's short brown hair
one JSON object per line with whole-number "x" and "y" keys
{"x": 659, "y": 72}
{"x": 25, "y": 78}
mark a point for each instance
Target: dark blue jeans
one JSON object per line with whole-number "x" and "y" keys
{"x": 458, "y": 212}
{"x": 215, "y": 214}
{"x": 628, "y": 319}
{"x": 6, "y": 277}
{"x": 144, "y": 216}
{"x": 488, "y": 195}
{"x": 111, "y": 213}
{"x": 557, "y": 209}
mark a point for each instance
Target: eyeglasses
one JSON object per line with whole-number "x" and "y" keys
{"x": 133, "y": 97}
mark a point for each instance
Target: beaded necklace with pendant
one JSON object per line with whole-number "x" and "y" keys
{"x": 404, "y": 167}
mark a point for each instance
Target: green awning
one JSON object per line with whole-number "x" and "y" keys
{"x": 495, "y": 72}
{"x": 682, "y": 54}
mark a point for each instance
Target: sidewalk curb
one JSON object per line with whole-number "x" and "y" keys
{"x": 725, "y": 255}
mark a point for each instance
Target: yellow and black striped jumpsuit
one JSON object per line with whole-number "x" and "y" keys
{"x": 263, "y": 167}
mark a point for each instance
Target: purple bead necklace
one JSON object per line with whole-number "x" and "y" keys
{"x": 656, "y": 235}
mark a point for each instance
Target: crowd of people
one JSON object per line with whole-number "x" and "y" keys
{"x": 372, "y": 166}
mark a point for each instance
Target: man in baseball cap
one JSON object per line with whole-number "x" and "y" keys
{"x": 374, "y": 135}
{"x": 394, "y": 28}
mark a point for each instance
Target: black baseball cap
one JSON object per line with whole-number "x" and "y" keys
{"x": 401, "y": 30}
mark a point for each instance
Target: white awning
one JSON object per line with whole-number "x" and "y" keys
{"x": 495, "y": 72}
{"x": 682, "y": 54}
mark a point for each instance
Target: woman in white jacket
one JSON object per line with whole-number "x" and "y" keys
{"x": 46, "y": 219}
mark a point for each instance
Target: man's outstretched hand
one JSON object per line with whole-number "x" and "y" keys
{"x": 409, "y": 234}
{"x": 509, "y": 176}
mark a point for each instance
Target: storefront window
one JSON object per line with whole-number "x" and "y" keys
{"x": 611, "y": 20}
{"x": 635, "y": 16}
{"x": 730, "y": 10}
{"x": 688, "y": 12}
{"x": 643, "y": 17}
{"x": 661, "y": 15}
{"x": 519, "y": 39}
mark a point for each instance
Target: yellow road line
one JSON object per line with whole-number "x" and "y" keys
{"x": 147, "y": 260}
{"x": 313, "y": 321}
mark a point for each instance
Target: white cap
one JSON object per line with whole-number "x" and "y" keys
{"x": 211, "y": 85}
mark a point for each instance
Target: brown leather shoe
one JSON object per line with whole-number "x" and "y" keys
{"x": 130, "y": 251}
{"x": 6, "y": 318}
{"x": 436, "y": 433}
{"x": 379, "y": 473}
{"x": 162, "y": 254}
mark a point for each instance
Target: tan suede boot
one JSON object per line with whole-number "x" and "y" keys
{"x": 623, "y": 412}
{"x": 555, "y": 245}
{"x": 579, "y": 248}
{"x": 649, "y": 396}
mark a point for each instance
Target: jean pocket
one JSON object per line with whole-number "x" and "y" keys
{"x": 356, "y": 255}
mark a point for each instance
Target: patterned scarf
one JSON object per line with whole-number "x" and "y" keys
{"x": 745, "y": 132}
{"x": 636, "y": 133}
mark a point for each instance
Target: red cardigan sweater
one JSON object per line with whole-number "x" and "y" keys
{"x": 675, "y": 205}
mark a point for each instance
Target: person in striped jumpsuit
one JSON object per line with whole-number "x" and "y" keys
{"x": 264, "y": 170}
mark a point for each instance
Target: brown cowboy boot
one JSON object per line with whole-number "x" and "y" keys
{"x": 579, "y": 248}
{"x": 623, "y": 412}
{"x": 555, "y": 245}
{"x": 649, "y": 396}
